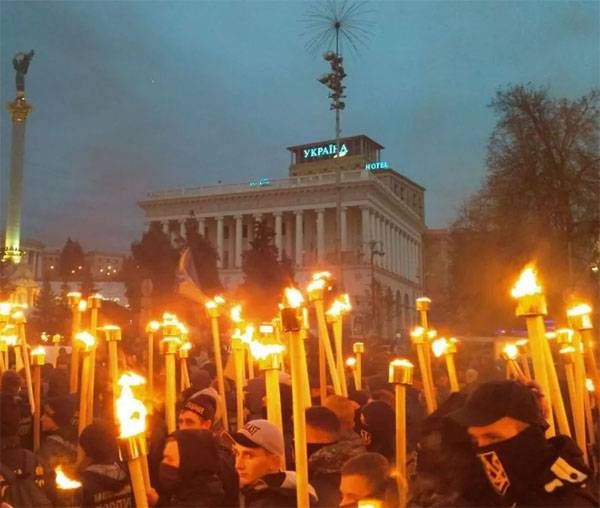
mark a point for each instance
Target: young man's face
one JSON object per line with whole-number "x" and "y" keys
{"x": 253, "y": 463}
{"x": 191, "y": 420}
{"x": 501, "y": 430}
{"x": 353, "y": 488}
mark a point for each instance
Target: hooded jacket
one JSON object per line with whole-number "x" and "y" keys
{"x": 106, "y": 486}
{"x": 276, "y": 490}
{"x": 58, "y": 448}
{"x": 325, "y": 466}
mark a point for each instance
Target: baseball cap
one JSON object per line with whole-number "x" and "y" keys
{"x": 496, "y": 399}
{"x": 201, "y": 404}
{"x": 260, "y": 433}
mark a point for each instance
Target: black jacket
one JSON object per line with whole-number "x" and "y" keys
{"x": 277, "y": 490}
{"x": 106, "y": 486}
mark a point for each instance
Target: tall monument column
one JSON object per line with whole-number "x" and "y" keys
{"x": 19, "y": 109}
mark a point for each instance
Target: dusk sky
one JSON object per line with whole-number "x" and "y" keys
{"x": 131, "y": 97}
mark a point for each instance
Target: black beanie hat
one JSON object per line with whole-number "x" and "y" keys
{"x": 99, "y": 442}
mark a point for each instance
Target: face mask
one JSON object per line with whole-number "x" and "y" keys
{"x": 509, "y": 464}
{"x": 168, "y": 477}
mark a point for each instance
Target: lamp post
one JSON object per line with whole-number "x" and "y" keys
{"x": 400, "y": 375}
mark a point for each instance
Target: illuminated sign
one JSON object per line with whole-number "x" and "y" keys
{"x": 324, "y": 150}
{"x": 376, "y": 165}
{"x": 262, "y": 182}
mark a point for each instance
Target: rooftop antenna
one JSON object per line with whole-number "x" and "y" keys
{"x": 330, "y": 25}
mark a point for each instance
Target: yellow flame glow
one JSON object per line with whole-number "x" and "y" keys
{"x": 131, "y": 412}
{"x": 153, "y": 326}
{"x": 424, "y": 299}
{"x": 551, "y": 335}
{"x": 186, "y": 346}
{"x": 522, "y": 342}
{"x": 511, "y": 351}
{"x": 10, "y": 340}
{"x": 210, "y": 304}
{"x": 87, "y": 339}
{"x": 316, "y": 285}
{"x": 266, "y": 328}
{"x": 131, "y": 378}
{"x": 589, "y": 384}
{"x": 82, "y": 306}
{"x": 5, "y": 308}
{"x": 44, "y": 337}
{"x": 321, "y": 275}
{"x": 527, "y": 283}
{"x": 417, "y": 331}
{"x": 579, "y": 310}
{"x": 219, "y": 300}
{"x": 38, "y": 351}
{"x": 236, "y": 313}
{"x": 63, "y": 482}
{"x": 261, "y": 351}
{"x": 293, "y": 297}
{"x": 169, "y": 317}
{"x": 439, "y": 347}
{"x": 351, "y": 362}
{"x": 401, "y": 362}
{"x": 431, "y": 334}
{"x": 567, "y": 350}
{"x": 339, "y": 306}
{"x": 18, "y": 316}
{"x": 370, "y": 503}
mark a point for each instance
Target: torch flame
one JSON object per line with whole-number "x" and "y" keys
{"x": 169, "y": 318}
{"x": 18, "y": 315}
{"x": 219, "y": 300}
{"x": 236, "y": 313}
{"x": 579, "y": 310}
{"x": 417, "y": 331}
{"x": 38, "y": 351}
{"x": 589, "y": 384}
{"x": 567, "y": 350}
{"x": 63, "y": 482}
{"x": 87, "y": 339}
{"x": 130, "y": 378}
{"x": 401, "y": 362}
{"x": 153, "y": 326}
{"x": 210, "y": 304}
{"x": 511, "y": 351}
{"x": 316, "y": 285}
{"x": 339, "y": 306}
{"x": 439, "y": 347}
{"x": 527, "y": 284}
{"x": 186, "y": 346}
{"x": 266, "y": 328}
{"x": 82, "y": 305}
{"x": 423, "y": 299}
{"x": 321, "y": 275}
{"x": 10, "y": 340}
{"x": 131, "y": 412}
{"x": 351, "y": 362}
{"x": 261, "y": 351}
{"x": 294, "y": 297}
{"x": 5, "y": 308}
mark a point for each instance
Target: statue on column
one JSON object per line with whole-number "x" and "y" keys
{"x": 21, "y": 64}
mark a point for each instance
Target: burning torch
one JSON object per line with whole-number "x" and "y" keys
{"x": 212, "y": 309}
{"x": 447, "y": 349}
{"x": 335, "y": 315}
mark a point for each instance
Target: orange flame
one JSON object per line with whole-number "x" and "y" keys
{"x": 351, "y": 362}
{"x": 236, "y": 313}
{"x": 38, "y": 351}
{"x": 63, "y": 482}
{"x": 527, "y": 284}
{"x": 339, "y": 306}
{"x": 86, "y": 339}
{"x": 511, "y": 351}
{"x": 579, "y": 310}
{"x": 261, "y": 351}
{"x": 439, "y": 347}
{"x": 152, "y": 326}
{"x": 131, "y": 412}
{"x": 294, "y": 297}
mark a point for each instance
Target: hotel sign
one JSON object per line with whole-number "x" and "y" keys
{"x": 316, "y": 152}
{"x": 376, "y": 165}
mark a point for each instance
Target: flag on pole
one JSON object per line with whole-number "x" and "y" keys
{"x": 187, "y": 279}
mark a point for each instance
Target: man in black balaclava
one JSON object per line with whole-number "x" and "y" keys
{"x": 506, "y": 421}
{"x": 377, "y": 428}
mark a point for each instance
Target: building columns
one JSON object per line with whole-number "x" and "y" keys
{"x": 238, "y": 241}
{"x": 202, "y": 227}
{"x": 365, "y": 216}
{"x": 320, "y": 234}
{"x": 344, "y": 229}
{"x": 278, "y": 236}
{"x": 299, "y": 238}
{"x": 220, "y": 241}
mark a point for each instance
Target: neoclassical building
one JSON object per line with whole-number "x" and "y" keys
{"x": 381, "y": 217}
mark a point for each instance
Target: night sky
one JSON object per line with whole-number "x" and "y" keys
{"x": 137, "y": 96}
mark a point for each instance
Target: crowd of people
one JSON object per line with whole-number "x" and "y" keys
{"x": 483, "y": 446}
